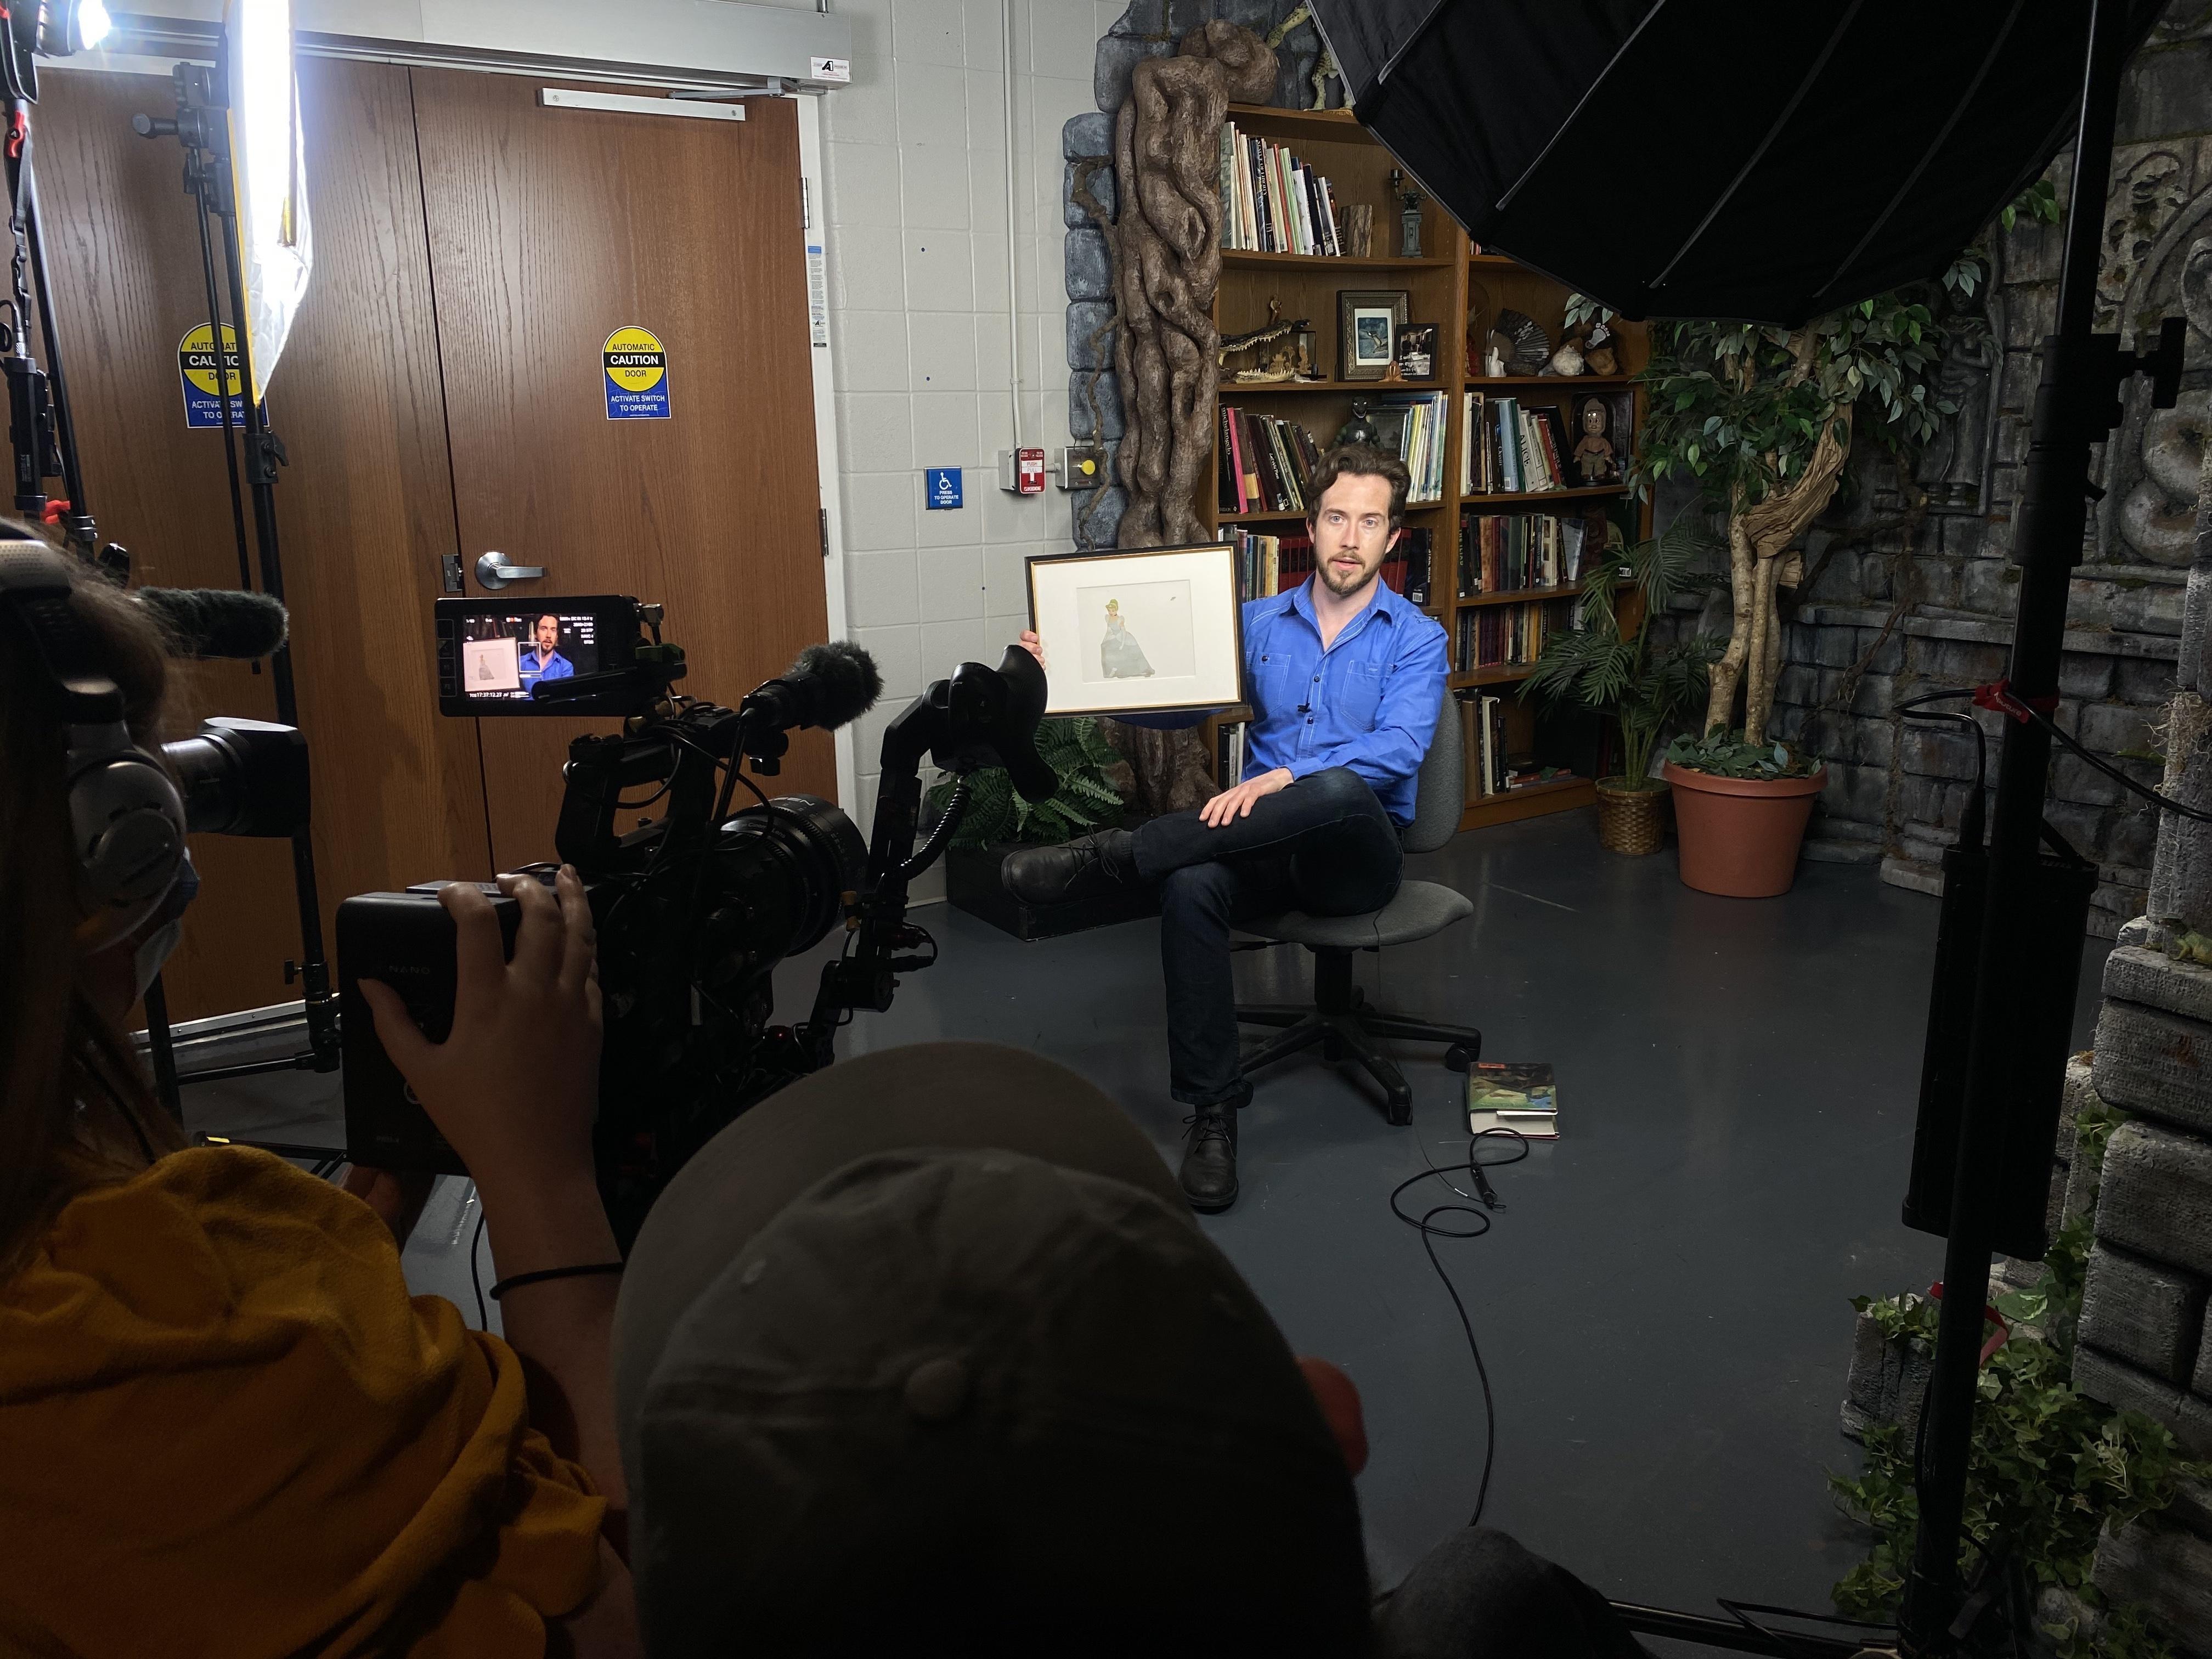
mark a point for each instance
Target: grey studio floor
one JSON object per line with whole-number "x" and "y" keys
{"x": 1663, "y": 1300}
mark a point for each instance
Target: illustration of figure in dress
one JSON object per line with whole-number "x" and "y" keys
{"x": 1120, "y": 656}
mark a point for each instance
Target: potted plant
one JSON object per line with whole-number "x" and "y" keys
{"x": 998, "y": 819}
{"x": 1606, "y": 666}
{"x": 1740, "y": 810}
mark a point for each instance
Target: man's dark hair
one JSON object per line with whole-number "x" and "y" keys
{"x": 1359, "y": 460}
{"x": 544, "y": 615}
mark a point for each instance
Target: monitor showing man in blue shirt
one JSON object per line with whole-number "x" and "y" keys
{"x": 543, "y": 661}
{"x": 1346, "y": 681}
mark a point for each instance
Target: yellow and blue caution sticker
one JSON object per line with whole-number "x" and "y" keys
{"x": 638, "y": 375}
{"x": 206, "y": 382}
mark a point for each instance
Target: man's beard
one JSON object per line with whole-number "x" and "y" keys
{"x": 1346, "y": 591}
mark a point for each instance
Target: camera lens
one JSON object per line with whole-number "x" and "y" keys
{"x": 241, "y": 777}
{"x": 783, "y": 871}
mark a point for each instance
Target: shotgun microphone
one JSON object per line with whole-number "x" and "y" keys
{"x": 216, "y": 622}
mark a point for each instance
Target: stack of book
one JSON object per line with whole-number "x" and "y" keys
{"x": 1502, "y": 635}
{"x": 1508, "y": 552}
{"x": 1515, "y": 1095}
{"x": 1507, "y": 450}
{"x": 1272, "y": 202}
{"x": 1411, "y": 426}
{"x": 1492, "y": 770}
{"x": 1264, "y": 463}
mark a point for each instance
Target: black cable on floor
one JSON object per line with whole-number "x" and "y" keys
{"x": 1426, "y": 1224}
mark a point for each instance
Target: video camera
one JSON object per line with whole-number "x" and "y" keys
{"x": 695, "y": 908}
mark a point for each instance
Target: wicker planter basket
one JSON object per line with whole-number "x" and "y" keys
{"x": 1630, "y": 819}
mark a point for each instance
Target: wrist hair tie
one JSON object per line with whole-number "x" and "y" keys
{"x": 518, "y": 1279}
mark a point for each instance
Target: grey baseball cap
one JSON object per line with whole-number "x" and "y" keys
{"x": 926, "y": 1353}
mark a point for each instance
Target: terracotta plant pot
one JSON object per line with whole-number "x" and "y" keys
{"x": 1740, "y": 835}
{"x": 1630, "y": 819}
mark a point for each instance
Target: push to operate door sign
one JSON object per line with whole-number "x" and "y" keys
{"x": 636, "y": 375}
{"x": 196, "y": 366}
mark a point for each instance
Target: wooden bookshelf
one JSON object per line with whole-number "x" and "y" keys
{"x": 1453, "y": 285}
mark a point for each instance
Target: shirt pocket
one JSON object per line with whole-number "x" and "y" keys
{"x": 1359, "y": 694}
{"x": 1270, "y": 684}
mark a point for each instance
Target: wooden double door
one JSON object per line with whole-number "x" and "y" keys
{"x": 441, "y": 398}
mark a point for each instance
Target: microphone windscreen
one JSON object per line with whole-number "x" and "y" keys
{"x": 216, "y": 622}
{"x": 841, "y": 680}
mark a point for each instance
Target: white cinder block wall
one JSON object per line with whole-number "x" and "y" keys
{"x": 915, "y": 232}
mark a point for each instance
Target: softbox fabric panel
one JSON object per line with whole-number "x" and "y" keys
{"x": 1720, "y": 158}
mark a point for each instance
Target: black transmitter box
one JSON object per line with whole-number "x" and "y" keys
{"x": 405, "y": 940}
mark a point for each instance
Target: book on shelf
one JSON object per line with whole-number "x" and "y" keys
{"x": 1411, "y": 426}
{"x": 1478, "y": 461}
{"x": 1508, "y": 552}
{"x": 1270, "y": 564}
{"x": 1265, "y": 462}
{"x": 1272, "y": 202}
{"x": 1229, "y": 753}
{"x": 1505, "y": 635}
{"x": 1405, "y": 566}
{"x": 1507, "y": 447}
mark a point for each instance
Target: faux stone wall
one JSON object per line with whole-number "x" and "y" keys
{"x": 1895, "y": 608}
{"x": 1150, "y": 28}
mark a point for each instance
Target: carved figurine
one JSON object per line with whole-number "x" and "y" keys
{"x": 1594, "y": 457}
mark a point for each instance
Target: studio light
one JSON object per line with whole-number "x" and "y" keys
{"x": 269, "y": 174}
{"x": 72, "y": 26}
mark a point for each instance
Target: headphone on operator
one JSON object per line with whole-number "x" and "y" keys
{"x": 126, "y": 817}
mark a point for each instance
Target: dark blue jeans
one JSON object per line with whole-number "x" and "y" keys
{"x": 1323, "y": 845}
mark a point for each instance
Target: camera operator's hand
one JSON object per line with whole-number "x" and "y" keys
{"x": 1236, "y": 802}
{"x": 1034, "y": 646}
{"x": 514, "y": 1088}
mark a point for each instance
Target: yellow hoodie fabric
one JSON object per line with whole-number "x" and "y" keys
{"x": 226, "y": 1429}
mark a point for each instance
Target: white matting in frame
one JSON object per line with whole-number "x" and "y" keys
{"x": 1141, "y": 630}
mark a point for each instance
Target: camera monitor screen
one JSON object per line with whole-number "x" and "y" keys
{"x": 493, "y": 655}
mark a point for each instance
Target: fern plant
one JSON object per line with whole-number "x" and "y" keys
{"x": 1605, "y": 666}
{"x": 1079, "y": 754}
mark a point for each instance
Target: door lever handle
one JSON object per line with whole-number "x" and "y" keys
{"x": 494, "y": 571}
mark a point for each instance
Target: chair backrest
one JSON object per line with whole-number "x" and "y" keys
{"x": 1440, "y": 787}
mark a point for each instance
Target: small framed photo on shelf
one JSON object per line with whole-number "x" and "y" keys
{"x": 1138, "y": 630}
{"x": 1367, "y": 324}
{"x": 1416, "y": 347}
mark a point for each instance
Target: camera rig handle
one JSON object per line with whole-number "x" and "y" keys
{"x": 977, "y": 717}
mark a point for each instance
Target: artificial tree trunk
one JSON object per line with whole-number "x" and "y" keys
{"x": 1760, "y": 563}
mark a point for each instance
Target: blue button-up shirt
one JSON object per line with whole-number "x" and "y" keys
{"x": 1369, "y": 702}
{"x": 555, "y": 667}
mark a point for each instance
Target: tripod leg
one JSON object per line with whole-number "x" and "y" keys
{"x": 159, "y": 1039}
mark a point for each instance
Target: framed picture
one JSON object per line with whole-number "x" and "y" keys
{"x": 1416, "y": 346}
{"x": 1367, "y": 323}
{"x": 1138, "y": 630}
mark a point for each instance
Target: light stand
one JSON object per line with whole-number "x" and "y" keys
{"x": 204, "y": 136}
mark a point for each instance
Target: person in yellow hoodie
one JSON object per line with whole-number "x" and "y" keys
{"x": 225, "y": 1426}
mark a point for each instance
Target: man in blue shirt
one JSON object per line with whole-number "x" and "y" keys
{"x": 1345, "y": 679}
{"x": 546, "y": 662}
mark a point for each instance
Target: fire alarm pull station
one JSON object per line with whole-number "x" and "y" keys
{"x": 1022, "y": 471}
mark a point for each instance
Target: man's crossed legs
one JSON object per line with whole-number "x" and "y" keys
{"x": 1323, "y": 845}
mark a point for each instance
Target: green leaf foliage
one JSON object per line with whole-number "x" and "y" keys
{"x": 2050, "y": 1468}
{"x": 1079, "y": 753}
{"x": 1726, "y": 754}
{"x": 1607, "y": 667}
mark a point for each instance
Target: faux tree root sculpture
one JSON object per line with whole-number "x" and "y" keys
{"x": 1759, "y": 534}
{"x": 1166, "y": 264}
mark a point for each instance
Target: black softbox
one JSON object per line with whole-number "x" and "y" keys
{"x": 1682, "y": 159}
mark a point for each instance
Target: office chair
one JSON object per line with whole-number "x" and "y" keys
{"x": 1342, "y": 1020}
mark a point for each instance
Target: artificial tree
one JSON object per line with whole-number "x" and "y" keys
{"x": 1763, "y": 420}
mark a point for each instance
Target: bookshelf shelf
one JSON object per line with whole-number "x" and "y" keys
{"x": 1534, "y": 800}
{"x": 1565, "y": 589}
{"x": 1580, "y": 492}
{"x": 1235, "y": 257}
{"x": 1459, "y": 290}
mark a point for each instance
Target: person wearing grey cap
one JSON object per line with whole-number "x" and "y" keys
{"x": 925, "y": 1354}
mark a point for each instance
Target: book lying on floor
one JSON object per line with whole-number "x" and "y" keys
{"x": 1518, "y": 1095}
